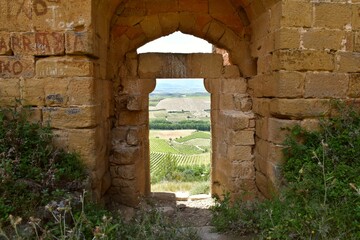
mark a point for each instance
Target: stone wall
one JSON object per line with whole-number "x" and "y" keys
{"x": 74, "y": 63}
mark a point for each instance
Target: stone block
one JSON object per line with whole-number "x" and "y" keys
{"x": 232, "y": 71}
{"x": 202, "y": 24}
{"x": 160, "y": 6}
{"x": 64, "y": 67}
{"x": 299, "y": 108}
{"x": 354, "y": 85}
{"x": 261, "y": 164}
{"x": 276, "y": 154}
{"x": 242, "y": 102}
{"x": 81, "y": 91}
{"x": 9, "y": 92}
{"x": 355, "y": 8}
{"x": 73, "y": 141}
{"x": 287, "y": 38}
{"x": 239, "y": 153}
{"x": 16, "y": 67}
{"x": 332, "y": 15}
{"x": 61, "y": 15}
{"x": 138, "y": 86}
{"x": 137, "y": 102}
{"x": 16, "y": 16}
{"x": 187, "y": 22}
{"x": 212, "y": 85}
{"x": 237, "y": 85}
{"x": 310, "y": 124}
{"x": 200, "y": 6}
{"x": 5, "y": 48}
{"x": 125, "y": 155}
{"x": 265, "y": 64}
{"x": 132, "y": 118}
{"x": 320, "y": 39}
{"x": 38, "y": 43}
{"x": 262, "y": 183}
{"x": 235, "y": 120}
{"x": 74, "y": 117}
{"x": 293, "y": 14}
{"x": 240, "y": 138}
{"x": 357, "y": 41}
{"x": 151, "y": 27}
{"x": 198, "y": 65}
{"x": 79, "y": 43}
{"x": 123, "y": 172}
{"x": 280, "y": 84}
{"x": 135, "y": 136}
{"x": 32, "y": 92}
{"x": 56, "y": 92}
{"x": 215, "y": 31}
{"x": 326, "y": 85}
{"x": 279, "y": 128}
{"x": 169, "y": 22}
{"x": 303, "y": 60}
{"x": 261, "y": 106}
{"x": 243, "y": 170}
{"x": 261, "y": 148}
{"x": 131, "y": 64}
{"x": 105, "y": 183}
{"x": 348, "y": 62}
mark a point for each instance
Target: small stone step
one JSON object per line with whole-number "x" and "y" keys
{"x": 199, "y": 197}
{"x": 182, "y": 196}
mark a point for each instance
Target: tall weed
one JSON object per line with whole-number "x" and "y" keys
{"x": 320, "y": 198}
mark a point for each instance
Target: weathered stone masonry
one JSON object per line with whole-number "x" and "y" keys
{"x": 75, "y": 64}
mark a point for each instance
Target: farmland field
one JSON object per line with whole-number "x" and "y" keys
{"x": 179, "y": 155}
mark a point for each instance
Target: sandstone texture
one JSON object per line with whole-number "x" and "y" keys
{"x": 275, "y": 64}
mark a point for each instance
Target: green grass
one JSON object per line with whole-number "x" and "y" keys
{"x": 195, "y": 135}
{"x": 199, "y": 142}
{"x": 161, "y": 146}
{"x": 186, "y": 149}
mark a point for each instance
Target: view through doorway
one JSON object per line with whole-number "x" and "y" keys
{"x": 179, "y": 124}
{"x": 180, "y": 137}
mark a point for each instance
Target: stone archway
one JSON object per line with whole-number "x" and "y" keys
{"x": 233, "y": 124}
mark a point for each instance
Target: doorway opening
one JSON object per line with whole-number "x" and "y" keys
{"x": 180, "y": 137}
{"x": 179, "y": 124}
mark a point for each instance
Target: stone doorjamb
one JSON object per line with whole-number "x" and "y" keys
{"x": 233, "y": 124}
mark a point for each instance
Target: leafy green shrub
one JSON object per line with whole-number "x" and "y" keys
{"x": 171, "y": 171}
{"x": 200, "y": 188}
{"x": 320, "y": 199}
{"x": 31, "y": 170}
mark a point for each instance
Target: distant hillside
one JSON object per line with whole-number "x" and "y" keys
{"x": 179, "y": 86}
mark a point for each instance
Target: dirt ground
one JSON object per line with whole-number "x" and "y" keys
{"x": 193, "y": 212}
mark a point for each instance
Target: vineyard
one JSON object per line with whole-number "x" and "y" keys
{"x": 157, "y": 159}
{"x": 180, "y": 149}
{"x": 194, "y": 135}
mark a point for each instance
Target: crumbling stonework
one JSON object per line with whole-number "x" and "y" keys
{"x": 75, "y": 64}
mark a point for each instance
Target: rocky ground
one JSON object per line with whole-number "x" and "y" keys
{"x": 187, "y": 212}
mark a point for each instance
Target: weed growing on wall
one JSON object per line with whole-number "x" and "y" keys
{"x": 40, "y": 192}
{"x": 320, "y": 199}
{"x": 31, "y": 170}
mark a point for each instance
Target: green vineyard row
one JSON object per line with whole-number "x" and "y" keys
{"x": 156, "y": 159}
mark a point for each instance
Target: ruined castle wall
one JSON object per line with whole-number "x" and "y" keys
{"x": 74, "y": 63}
{"x": 308, "y": 57}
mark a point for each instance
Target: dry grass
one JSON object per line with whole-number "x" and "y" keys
{"x": 176, "y": 186}
{"x": 166, "y": 134}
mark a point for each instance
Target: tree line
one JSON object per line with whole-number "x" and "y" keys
{"x": 162, "y": 124}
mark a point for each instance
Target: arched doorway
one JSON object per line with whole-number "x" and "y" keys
{"x": 133, "y": 76}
